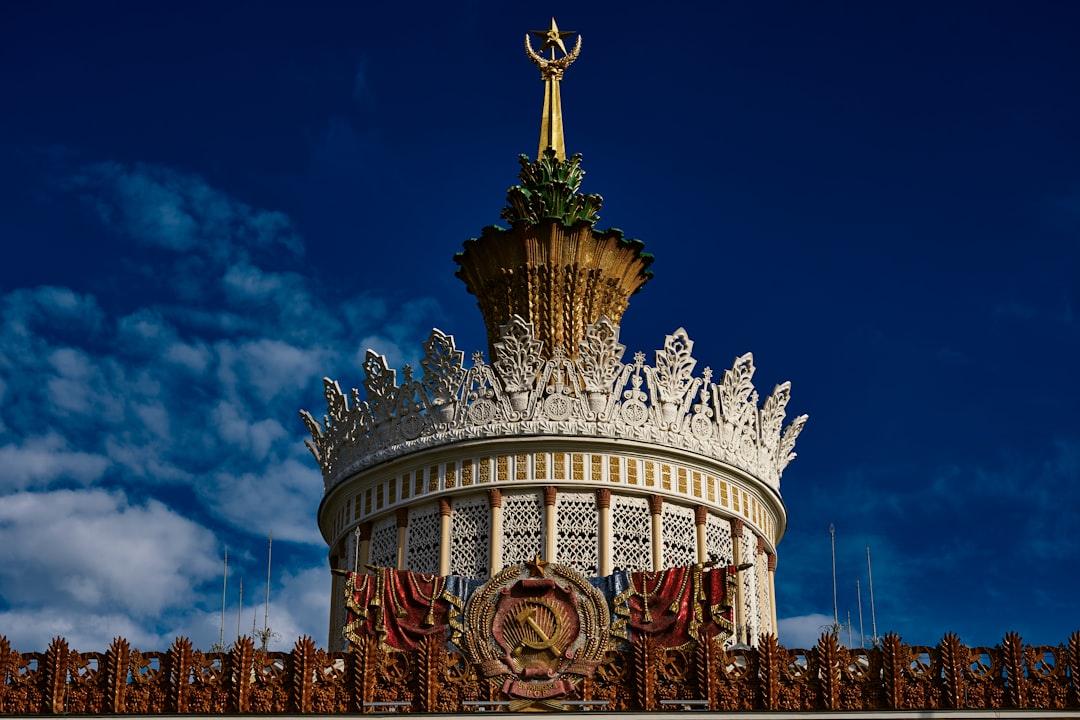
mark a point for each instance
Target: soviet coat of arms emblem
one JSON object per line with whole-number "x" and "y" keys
{"x": 539, "y": 628}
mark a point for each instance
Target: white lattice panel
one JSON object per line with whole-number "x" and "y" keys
{"x": 679, "y": 536}
{"x": 384, "y": 543}
{"x": 469, "y": 532}
{"x": 718, "y": 539}
{"x": 522, "y": 527}
{"x": 422, "y": 546}
{"x": 748, "y": 580}
{"x": 631, "y": 533}
{"x": 578, "y": 531}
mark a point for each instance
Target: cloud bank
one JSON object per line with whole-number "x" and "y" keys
{"x": 142, "y": 432}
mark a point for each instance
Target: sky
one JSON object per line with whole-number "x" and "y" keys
{"x": 205, "y": 208}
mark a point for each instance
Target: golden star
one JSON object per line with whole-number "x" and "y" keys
{"x": 537, "y": 566}
{"x": 552, "y": 37}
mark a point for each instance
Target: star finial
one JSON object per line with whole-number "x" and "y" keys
{"x": 537, "y": 567}
{"x": 552, "y": 37}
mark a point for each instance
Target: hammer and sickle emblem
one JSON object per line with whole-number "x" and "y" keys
{"x": 527, "y": 617}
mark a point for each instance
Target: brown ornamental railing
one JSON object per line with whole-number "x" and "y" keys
{"x": 950, "y": 675}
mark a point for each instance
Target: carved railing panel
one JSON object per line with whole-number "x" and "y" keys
{"x": 457, "y": 682}
{"x": 984, "y": 683}
{"x": 675, "y": 679}
{"x": 612, "y": 681}
{"x": 268, "y": 688}
{"x": 207, "y": 693}
{"x": 1072, "y": 655}
{"x": 87, "y": 686}
{"x": 147, "y": 691}
{"x": 860, "y": 685}
{"x": 736, "y": 682}
{"x": 435, "y": 678}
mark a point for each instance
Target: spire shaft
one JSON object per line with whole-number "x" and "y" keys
{"x": 551, "y": 125}
{"x": 551, "y": 70}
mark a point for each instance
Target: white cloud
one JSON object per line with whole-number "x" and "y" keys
{"x": 281, "y": 496}
{"x": 145, "y": 325}
{"x": 195, "y": 357}
{"x": 302, "y": 606}
{"x": 803, "y": 631}
{"x": 256, "y": 438}
{"x": 247, "y": 282}
{"x": 28, "y": 314}
{"x": 93, "y": 550}
{"x": 84, "y": 631}
{"x": 84, "y": 386}
{"x": 184, "y": 396}
{"x": 269, "y": 366}
{"x": 39, "y": 460}
{"x": 299, "y": 605}
{"x": 159, "y": 206}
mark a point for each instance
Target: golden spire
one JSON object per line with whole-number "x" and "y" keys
{"x": 551, "y": 70}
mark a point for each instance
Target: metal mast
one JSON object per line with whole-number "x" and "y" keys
{"x": 356, "y": 551}
{"x": 862, "y": 634}
{"x": 224, "y": 588}
{"x": 266, "y": 634}
{"x": 240, "y": 607}
{"x": 266, "y": 612}
{"x": 873, "y": 617}
{"x": 835, "y": 611}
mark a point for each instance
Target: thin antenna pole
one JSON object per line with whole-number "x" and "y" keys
{"x": 835, "y": 612}
{"x": 873, "y": 616}
{"x": 862, "y": 635}
{"x": 266, "y": 614}
{"x": 849, "y": 629}
{"x": 224, "y": 588}
{"x": 240, "y": 607}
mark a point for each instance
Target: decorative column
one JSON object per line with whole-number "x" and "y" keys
{"x": 496, "y": 546}
{"x": 444, "y": 536}
{"x": 736, "y": 560}
{"x": 656, "y": 507}
{"x": 759, "y": 576}
{"x": 550, "y": 493}
{"x": 771, "y": 557}
{"x": 603, "y": 544}
{"x": 701, "y": 516}
{"x": 402, "y": 535}
{"x": 337, "y": 592}
{"x": 365, "y": 547}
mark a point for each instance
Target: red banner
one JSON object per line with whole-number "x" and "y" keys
{"x": 398, "y": 606}
{"x": 673, "y": 606}
{"x": 677, "y": 605}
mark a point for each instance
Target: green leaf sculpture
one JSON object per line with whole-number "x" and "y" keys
{"x": 549, "y": 190}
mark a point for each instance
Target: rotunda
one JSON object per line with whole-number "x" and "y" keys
{"x": 559, "y": 446}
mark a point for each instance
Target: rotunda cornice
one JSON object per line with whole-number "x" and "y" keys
{"x": 522, "y": 393}
{"x": 531, "y": 445}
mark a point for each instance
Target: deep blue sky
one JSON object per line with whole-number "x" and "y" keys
{"x": 206, "y": 207}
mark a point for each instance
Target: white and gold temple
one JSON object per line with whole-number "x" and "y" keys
{"x": 559, "y": 444}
